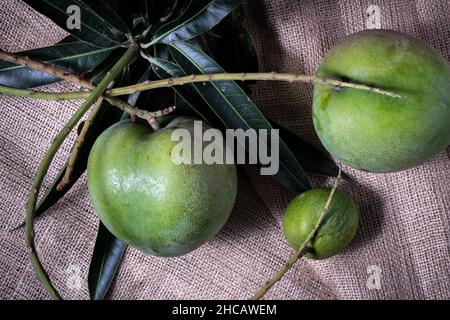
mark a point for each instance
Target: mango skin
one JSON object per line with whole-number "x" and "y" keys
{"x": 338, "y": 227}
{"x": 149, "y": 202}
{"x": 377, "y": 133}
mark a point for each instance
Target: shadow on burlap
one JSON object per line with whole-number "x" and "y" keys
{"x": 404, "y": 227}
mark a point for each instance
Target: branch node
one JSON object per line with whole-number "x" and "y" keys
{"x": 61, "y": 186}
{"x": 153, "y": 123}
{"x": 168, "y": 110}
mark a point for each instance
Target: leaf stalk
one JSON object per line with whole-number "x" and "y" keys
{"x": 65, "y": 75}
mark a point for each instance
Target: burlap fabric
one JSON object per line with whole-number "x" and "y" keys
{"x": 404, "y": 229}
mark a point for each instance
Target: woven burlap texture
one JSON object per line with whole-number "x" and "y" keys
{"x": 404, "y": 229}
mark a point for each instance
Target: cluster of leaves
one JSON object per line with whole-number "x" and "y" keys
{"x": 180, "y": 38}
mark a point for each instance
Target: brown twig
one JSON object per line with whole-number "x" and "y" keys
{"x": 39, "y": 66}
{"x": 269, "y": 76}
{"x": 149, "y": 85}
{"x": 78, "y": 144}
{"x": 144, "y": 114}
{"x": 62, "y": 74}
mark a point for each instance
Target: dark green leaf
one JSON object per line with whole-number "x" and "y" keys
{"x": 235, "y": 109}
{"x": 103, "y": 10}
{"x": 140, "y": 72}
{"x": 133, "y": 13}
{"x": 314, "y": 161}
{"x": 157, "y": 9}
{"x": 106, "y": 258}
{"x": 183, "y": 106}
{"x": 166, "y": 69}
{"x": 200, "y": 17}
{"x": 169, "y": 11}
{"x": 187, "y": 101}
{"x": 245, "y": 51}
{"x": 98, "y": 73}
{"x": 93, "y": 28}
{"x": 70, "y": 54}
{"x": 232, "y": 46}
{"x": 157, "y": 99}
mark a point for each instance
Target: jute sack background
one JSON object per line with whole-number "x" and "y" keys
{"x": 404, "y": 229}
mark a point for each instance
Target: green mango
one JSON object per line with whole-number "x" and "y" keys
{"x": 377, "y": 133}
{"x": 149, "y": 201}
{"x": 337, "y": 229}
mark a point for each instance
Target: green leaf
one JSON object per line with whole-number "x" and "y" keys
{"x": 93, "y": 28}
{"x": 232, "y": 46}
{"x": 99, "y": 72}
{"x": 245, "y": 51}
{"x": 169, "y": 11}
{"x": 133, "y": 13}
{"x": 106, "y": 258}
{"x": 183, "y": 105}
{"x": 314, "y": 161}
{"x": 166, "y": 69}
{"x": 139, "y": 72}
{"x": 70, "y": 54}
{"x": 200, "y": 17}
{"x": 109, "y": 16}
{"x": 235, "y": 109}
{"x": 157, "y": 10}
{"x": 157, "y": 99}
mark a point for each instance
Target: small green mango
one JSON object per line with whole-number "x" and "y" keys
{"x": 337, "y": 229}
